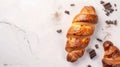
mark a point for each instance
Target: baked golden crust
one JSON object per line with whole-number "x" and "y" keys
{"x": 79, "y": 29}
{"x": 90, "y": 18}
{"x": 74, "y": 55}
{"x": 78, "y": 35}
{"x": 111, "y": 56}
{"x": 75, "y": 43}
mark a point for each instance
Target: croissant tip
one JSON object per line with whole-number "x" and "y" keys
{"x": 88, "y": 10}
{"x": 107, "y": 44}
{"x": 71, "y": 58}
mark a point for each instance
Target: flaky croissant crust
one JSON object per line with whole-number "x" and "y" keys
{"x": 78, "y": 35}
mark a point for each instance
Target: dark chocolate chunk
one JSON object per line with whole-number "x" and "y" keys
{"x": 111, "y": 10}
{"x": 96, "y": 46}
{"x": 59, "y": 31}
{"x": 89, "y": 66}
{"x": 115, "y": 5}
{"x": 109, "y": 22}
{"x": 115, "y": 22}
{"x": 102, "y": 2}
{"x": 67, "y": 12}
{"x": 99, "y": 40}
{"x": 107, "y": 13}
{"x": 92, "y": 54}
{"x": 108, "y": 8}
{"x": 107, "y": 5}
{"x": 72, "y": 4}
{"x": 115, "y": 9}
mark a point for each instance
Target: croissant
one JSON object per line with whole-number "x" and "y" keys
{"x": 78, "y": 35}
{"x": 111, "y": 56}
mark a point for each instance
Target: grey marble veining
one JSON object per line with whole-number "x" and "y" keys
{"x": 28, "y": 36}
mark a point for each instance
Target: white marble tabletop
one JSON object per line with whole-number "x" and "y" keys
{"x": 28, "y": 36}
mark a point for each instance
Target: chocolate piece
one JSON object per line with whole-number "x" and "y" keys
{"x": 96, "y": 46}
{"x": 92, "y": 54}
{"x": 102, "y": 2}
{"x": 111, "y": 10}
{"x": 107, "y": 5}
{"x": 89, "y": 66}
{"x": 115, "y": 5}
{"x": 109, "y": 22}
{"x": 114, "y": 22}
{"x": 67, "y": 12}
{"x": 99, "y": 40}
{"x": 107, "y": 13}
{"x": 115, "y": 9}
{"x": 72, "y": 4}
{"x": 59, "y": 31}
{"x": 108, "y": 8}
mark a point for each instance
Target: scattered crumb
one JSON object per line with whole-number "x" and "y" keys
{"x": 108, "y": 26}
{"x": 72, "y": 4}
{"x": 96, "y": 46}
{"x": 99, "y": 40}
{"x": 107, "y": 35}
{"x": 59, "y": 31}
{"x": 89, "y": 66}
{"x": 57, "y": 15}
{"x": 67, "y": 12}
{"x": 92, "y": 54}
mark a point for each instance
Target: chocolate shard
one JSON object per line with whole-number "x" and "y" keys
{"x": 107, "y": 5}
{"x": 98, "y": 39}
{"x": 115, "y": 5}
{"x": 102, "y": 2}
{"x": 59, "y": 31}
{"x": 111, "y": 10}
{"x": 107, "y": 14}
{"x": 92, "y": 54}
{"x": 96, "y": 46}
{"x": 72, "y": 4}
{"x": 89, "y": 66}
{"x": 113, "y": 22}
{"x": 67, "y": 12}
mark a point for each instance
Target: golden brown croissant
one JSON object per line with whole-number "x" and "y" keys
{"x": 78, "y": 35}
{"x": 111, "y": 56}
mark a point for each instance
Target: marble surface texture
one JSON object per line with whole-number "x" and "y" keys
{"x": 28, "y": 36}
